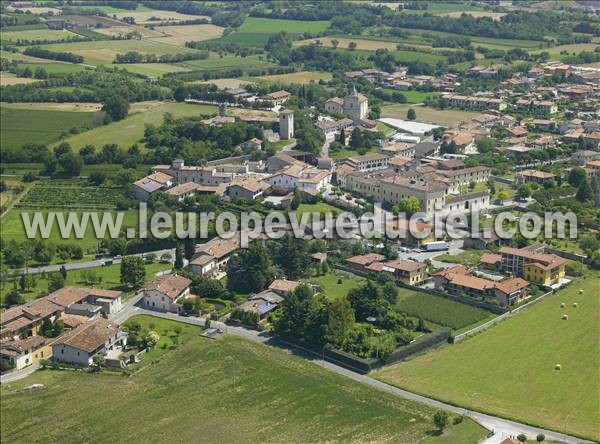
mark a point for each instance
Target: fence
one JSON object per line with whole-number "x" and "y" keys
{"x": 458, "y": 338}
{"x": 228, "y": 160}
{"x": 423, "y": 343}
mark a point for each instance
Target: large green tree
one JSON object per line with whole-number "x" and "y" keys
{"x": 133, "y": 271}
{"x": 250, "y": 270}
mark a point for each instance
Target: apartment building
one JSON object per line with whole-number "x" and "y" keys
{"x": 532, "y": 265}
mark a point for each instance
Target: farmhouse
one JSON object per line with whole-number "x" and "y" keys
{"x": 248, "y": 189}
{"x": 276, "y": 98}
{"x": 164, "y": 292}
{"x": 362, "y": 263}
{"x": 302, "y": 176}
{"x": 97, "y": 337}
{"x": 143, "y": 188}
{"x": 197, "y": 174}
{"x": 406, "y": 271}
{"x": 283, "y": 287}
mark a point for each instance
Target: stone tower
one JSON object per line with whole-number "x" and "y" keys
{"x": 222, "y": 109}
{"x": 286, "y": 124}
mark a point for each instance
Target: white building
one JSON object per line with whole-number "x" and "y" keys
{"x": 164, "y": 292}
{"x": 96, "y": 337}
{"x": 302, "y": 176}
{"x": 354, "y": 105}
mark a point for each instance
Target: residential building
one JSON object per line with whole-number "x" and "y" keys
{"x": 248, "y": 189}
{"x": 302, "y": 176}
{"x": 96, "y": 337}
{"x": 583, "y": 156}
{"x": 361, "y": 263}
{"x": 534, "y": 266}
{"x": 276, "y": 98}
{"x": 252, "y": 144}
{"x": 213, "y": 256}
{"x": 165, "y": 293}
{"x": 143, "y": 188}
{"x": 202, "y": 175}
{"x": 473, "y": 102}
{"x": 367, "y": 162}
{"x": 24, "y": 352}
{"x": 262, "y": 303}
{"x": 407, "y": 271}
{"x": 536, "y": 176}
{"x": 283, "y": 287}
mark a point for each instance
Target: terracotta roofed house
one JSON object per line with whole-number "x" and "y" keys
{"x": 164, "y": 292}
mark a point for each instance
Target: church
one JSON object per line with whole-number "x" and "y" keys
{"x": 354, "y": 105}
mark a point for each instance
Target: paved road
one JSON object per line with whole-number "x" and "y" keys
{"x": 88, "y": 264}
{"x": 18, "y": 374}
{"x": 503, "y": 428}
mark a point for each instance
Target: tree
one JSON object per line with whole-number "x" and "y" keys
{"x": 99, "y": 361}
{"x": 250, "y": 270}
{"x": 357, "y": 139}
{"x": 58, "y": 328}
{"x": 116, "y": 108}
{"x": 189, "y": 248}
{"x": 97, "y": 178}
{"x": 440, "y": 419}
{"x": 178, "y": 257}
{"x": 485, "y": 145}
{"x": 55, "y": 282}
{"x": 63, "y": 271}
{"x": 27, "y": 72}
{"x": 540, "y": 438}
{"x": 294, "y": 312}
{"x": 133, "y": 272}
{"x": 522, "y": 437}
{"x": 14, "y": 298}
{"x": 390, "y": 292}
{"x": 46, "y": 328}
{"x": 341, "y": 321}
{"x": 409, "y": 205}
{"x": 296, "y": 200}
{"x": 411, "y": 114}
{"x": 181, "y": 93}
{"x": 584, "y": 192}
{"x": 503, "y": 195}
{"x": 71, "y": 163}
{"x": 292, "y": 256}
{"x": 40, "y": 73}
{"x": 335, "y": 43}
{"x": 524, "y": 191}
{"x": 577, "y": 176}
{"x": 152, "y": 339}
{"x": 352, "y": 46}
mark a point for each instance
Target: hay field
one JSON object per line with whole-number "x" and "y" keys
{"x": 126, "y": 29}
{"x": 8, "y": 78}
{"x": 301, "y": 77}
{"x": 178, "y": 35}
{"x": 143, "y": 17}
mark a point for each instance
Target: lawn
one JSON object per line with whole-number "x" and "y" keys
{"x": 347, "y": 152}
{"x": 446, "y": 117}
{"x": 223, "y": 390}
{"x": 130, "y": 130}
{"x": 337, "y": 284}
{"x": 21, "y": 126}
{"x": 321, "y": 207}
{"x": 509, "y": 369}
{"x": 441, "y": 311}
{"x": 108, "y": 276}
{"x": 469, "y": 258}
{"x": 101, "y": 52}
{"x": 414, "y": 96}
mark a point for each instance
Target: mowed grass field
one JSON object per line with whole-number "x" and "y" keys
{"x": 256, "y": 31}
{"x": 178, "y": 35}
{"x": 101, "y": 52}
{"x": 21, "y": 126}
{"x": 336, "y": 284}
{"x": 36, "y": 34}
{"x": 509, "y": 369}
{"x": 301, "y": 77}
{"x": 189, "y": 391}
{"x": 446, "y": 117}
{"x": 130, "y": 130}
{"x": 12, "y": 226}
{"x": 227, "y": 62}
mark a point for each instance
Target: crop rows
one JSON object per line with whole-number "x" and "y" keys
{"x": 45, "y": 196}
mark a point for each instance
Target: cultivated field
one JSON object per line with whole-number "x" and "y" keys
{"x": 224, "y": 83}
{"x": 145, "y": 16}
{"x": 178, "y": 35}
{"x": 36, "y": 34}
{"x": 70, "y": 194}
{"x": 444, "y": 117}
{"x": 153, "y": 69}
{"x": 130, "y": 130}
{"x": 104, "y": 51}
{"x": 126, "y": 29}
{"x": 8, "y": 78}
{"x": 302, "y": 77}
{"x": 494, "y": 15}
{"x": 509, "y": 369}
{"x": 191, "y": 390}
{"x": 256, "y": 31}
{"x": 367, "y": 45}
{"x": 21, "y": 126}
{"x": 66, "y": 106}
{"x": 441, "y": 311}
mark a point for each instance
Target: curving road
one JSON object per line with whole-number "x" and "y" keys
{"x": 502, "y": 428}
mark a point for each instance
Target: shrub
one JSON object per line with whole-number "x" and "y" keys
{"x": 457, "y": 419}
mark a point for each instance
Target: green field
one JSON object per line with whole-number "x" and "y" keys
{"x": 469, "y": 257}
{"x": 227, "y": 62}
{"x": 414, "y": 96}
{"x": 130, "y": 130}
{"x": 509, "y": 369}
{"x": 12, "y": 227}
{"x": 337, "y": 284}
{"x": 39, "y": 126}
{"x": 190, "y": 391}
{"x": 79, "y": 194}
{"x": 256, "y": 31}
{"x": 441, "y": 311}
{"x": 101, "y": 52}
{"x": 446, "y": 117}
{"x": 54, "y": 68}
{"x": 36, "y": 34}
{"x": 109, "y": 278}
